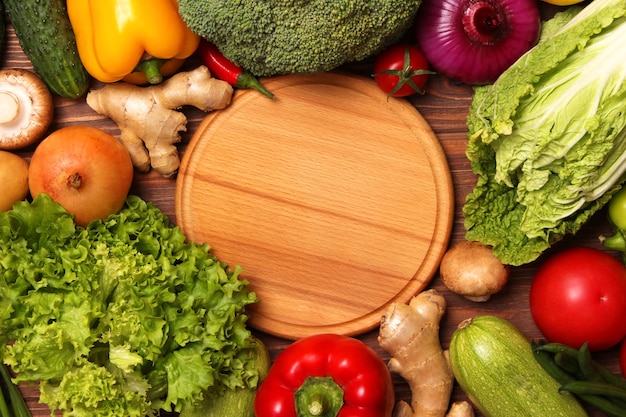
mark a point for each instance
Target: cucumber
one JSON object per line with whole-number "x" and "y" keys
{"x": 493, "y": 363}
{"x": 45, "y": 34}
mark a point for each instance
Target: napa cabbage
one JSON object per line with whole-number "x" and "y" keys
{"x": 547, "y": 139}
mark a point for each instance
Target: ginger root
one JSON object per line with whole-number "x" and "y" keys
{"x": 410, "y": 334}
{"x": 461, "y": 409}
{"x": 149, "y": 124}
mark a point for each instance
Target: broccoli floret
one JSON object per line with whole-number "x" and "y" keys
{"x": 272, "y": 37}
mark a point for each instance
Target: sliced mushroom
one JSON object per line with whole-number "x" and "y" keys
{"x": 26, "y": 108}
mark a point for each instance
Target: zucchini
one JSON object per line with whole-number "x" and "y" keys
{"x": 494, "y": 364}
{"x": 45, "y": 34}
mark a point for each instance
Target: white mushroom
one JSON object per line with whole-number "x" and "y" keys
{"x": 471, "y": 270}
{"x": 26, "y": 108}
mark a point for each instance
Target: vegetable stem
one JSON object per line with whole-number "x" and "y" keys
{"x": 583, "y": 377}
{"x": 4, "y": 408}
{"x": 551, "y": 367}
{"x": 594, "y": 388}
{"x": 615, "y": 242}
{"x": 247, "y": 80}
{"x": 75, "y": 181}
{"x": 585, "y": 362}
{"x": 152, "y": 70}
{"x": 16, "y": 404}
{"x": 566, "y": 362}
{"x": 319, "y": 396}
{"x": 317, "y": 405}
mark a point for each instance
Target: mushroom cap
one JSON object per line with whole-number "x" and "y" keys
{"x": 26, "y": 108}
{"x": 471, "y": 269}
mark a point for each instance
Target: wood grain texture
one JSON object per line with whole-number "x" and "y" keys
{"x": 334, "y": 199}
{"x": 444, "y": 107}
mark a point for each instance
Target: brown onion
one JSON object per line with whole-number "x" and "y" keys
{"x": 83, "y": 168}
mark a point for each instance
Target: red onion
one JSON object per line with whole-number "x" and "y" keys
{"x": 474, "y": 41}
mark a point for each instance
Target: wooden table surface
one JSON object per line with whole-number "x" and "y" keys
{"x": 445, "y": 107}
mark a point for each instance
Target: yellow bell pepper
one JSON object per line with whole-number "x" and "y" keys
{"x": 114, "y": 36}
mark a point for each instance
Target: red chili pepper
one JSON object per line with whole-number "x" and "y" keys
{"x": 326, "y": 375}
{"x": 228, "y": 71}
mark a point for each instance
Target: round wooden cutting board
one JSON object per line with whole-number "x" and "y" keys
{"x": 335, "y": 200}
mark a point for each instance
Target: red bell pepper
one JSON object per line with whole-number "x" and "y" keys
{"x": 326, "y": 375}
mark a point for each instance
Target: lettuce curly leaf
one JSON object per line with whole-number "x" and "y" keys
{"x": 121, "y": 318}
{"x": 548, "y": 138}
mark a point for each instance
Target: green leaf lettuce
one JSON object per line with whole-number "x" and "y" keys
{"x": 121, "y": 318}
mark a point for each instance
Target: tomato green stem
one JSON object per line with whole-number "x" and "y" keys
{"x": 405, "y": 75}
{"x": 318, "y": 397}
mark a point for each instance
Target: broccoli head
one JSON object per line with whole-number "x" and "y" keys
{"x": 272, "y": 37}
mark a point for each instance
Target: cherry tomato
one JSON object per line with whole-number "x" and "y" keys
{"x": 579, "y": 295}
{"x": 622, "y": 357}
{"x": 401, "y": 70}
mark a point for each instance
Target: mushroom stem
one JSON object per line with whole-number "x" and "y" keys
{"x": 27, "y": 108}
{"x": 10, "y": 106}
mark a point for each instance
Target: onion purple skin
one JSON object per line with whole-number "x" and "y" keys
{"x": 458, "y": 41}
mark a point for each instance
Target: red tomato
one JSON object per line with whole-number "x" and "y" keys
{"x": 578, "y": 296}
{"x": 401, "y": 70}
{"x": 622, "y": 357}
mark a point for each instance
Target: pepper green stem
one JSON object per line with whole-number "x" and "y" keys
{"x": 615, "y": 242}
{"x": 318, "y": 397}
{"x": 152, "y": 69}
{"x": 247, "y": 80}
